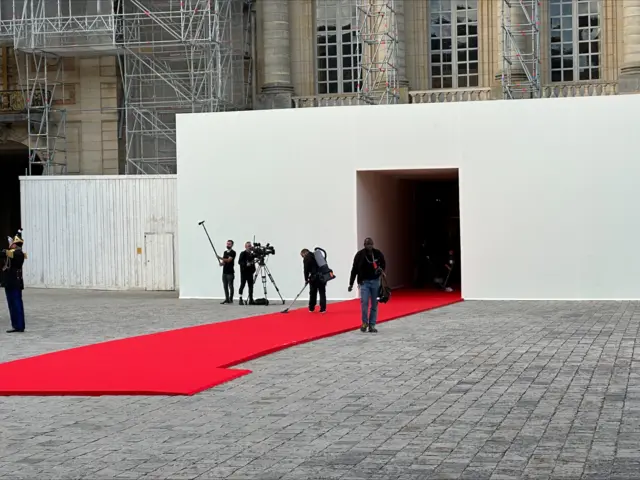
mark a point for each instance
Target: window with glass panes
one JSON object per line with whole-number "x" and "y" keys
{"x": 338, "y": 50}
{"x": 453, "y": 29}
{"x": 575, "y": 33}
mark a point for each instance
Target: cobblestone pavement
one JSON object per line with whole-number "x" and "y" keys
{"x": 478, "y": 390}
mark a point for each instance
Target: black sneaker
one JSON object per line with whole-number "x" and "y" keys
{"x": 373, "y": 329}
{"x": 225, "y": 302}
{"x": 312, "y": 309}
{"x": 323, "y": 310}
{"x": 363, "y": 327}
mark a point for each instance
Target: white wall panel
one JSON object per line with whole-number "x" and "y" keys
{"x": 548, "y": 203}
{"x": 89, "y": 231}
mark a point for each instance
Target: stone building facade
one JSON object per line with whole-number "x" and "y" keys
{"x": 305, "y": 56}
{"x": 588, "y": 47}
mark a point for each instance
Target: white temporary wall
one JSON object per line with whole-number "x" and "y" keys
{"x": 384, "y": 218}
{"x": 549, "y": 189}
{"x": 100, "y": 232}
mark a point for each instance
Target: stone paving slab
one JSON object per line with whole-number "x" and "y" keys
{"x": 477, "y": 390}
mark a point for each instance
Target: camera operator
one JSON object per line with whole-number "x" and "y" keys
{"x": 246, "y": 262}
{"x": 316, "y": 284}
{"x": 228, "y": 272}
{"x": 368, "y": 265}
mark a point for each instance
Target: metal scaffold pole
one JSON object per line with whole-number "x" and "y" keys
{"x": 174, "y": 56}
{"x": 520, "y": 48}
{"x": 378, "y": 39}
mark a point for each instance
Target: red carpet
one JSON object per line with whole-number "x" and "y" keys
{"x": 190, "y": 360}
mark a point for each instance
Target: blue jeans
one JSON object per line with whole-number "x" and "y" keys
{"x": 369, "y": 294}
{"x": 16, "y": 308}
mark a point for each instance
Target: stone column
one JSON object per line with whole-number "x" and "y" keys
{"x": 276, "y": 89}
{"x": 630, "y": 71}
{"x": 302, "y": 46}
{"x": 403, "y": 82}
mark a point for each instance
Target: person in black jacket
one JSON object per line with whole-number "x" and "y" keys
{"x": 316, "y": 284}
{"x": 247, "y": 264}
{"x": 368, "y": 266}
{"x": 11, "y": 262}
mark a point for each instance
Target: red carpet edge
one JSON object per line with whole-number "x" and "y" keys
{"x": 192, "y": 359}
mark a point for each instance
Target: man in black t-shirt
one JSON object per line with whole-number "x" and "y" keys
{"x": 227, "y": 262}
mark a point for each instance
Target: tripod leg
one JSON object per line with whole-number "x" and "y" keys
{"x": 274, "y": 284}
{"x": 264, "y": 284}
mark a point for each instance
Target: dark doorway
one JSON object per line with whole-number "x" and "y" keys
{"x": 436, "y": 233}
{"x": 14, "y": 162}
{"x": 414, "y": 218}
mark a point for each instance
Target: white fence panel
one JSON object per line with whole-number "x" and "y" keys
{"x": 89, "y": 231}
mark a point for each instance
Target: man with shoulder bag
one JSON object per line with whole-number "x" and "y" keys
{"x": 368, "y": 266}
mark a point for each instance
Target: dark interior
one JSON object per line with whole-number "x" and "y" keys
{"x": 436, "y": 233}
{"x": 14, "y": 163}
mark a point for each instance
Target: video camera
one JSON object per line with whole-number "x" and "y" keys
{"x": 261, "y": 251}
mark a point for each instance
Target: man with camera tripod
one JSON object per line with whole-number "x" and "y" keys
{"x": 247, "y": 265}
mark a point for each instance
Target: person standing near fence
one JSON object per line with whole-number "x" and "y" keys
{"x": 11, "y": 280}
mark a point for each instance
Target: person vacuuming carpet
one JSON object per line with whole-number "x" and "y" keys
{"x": 368, "y": 265}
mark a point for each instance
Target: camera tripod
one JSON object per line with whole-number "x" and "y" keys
{"x": 264, "y": 272}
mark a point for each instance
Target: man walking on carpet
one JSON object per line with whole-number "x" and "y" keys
{"x": 368, "y": 265}
{"x": 11, "y": 261}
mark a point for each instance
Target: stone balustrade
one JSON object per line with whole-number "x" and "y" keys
{"x": 559, "y": 90}
{"x": 450, "y": 95}
{"x": 590, "y": 89}
{"x": 330, "y": 100}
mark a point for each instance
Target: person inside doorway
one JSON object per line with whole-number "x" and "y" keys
{"x": 368, "y": 265}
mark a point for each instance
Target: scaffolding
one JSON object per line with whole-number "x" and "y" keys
{"x": 378, "y": 37}
{"x": 178, "y": 58}
{"x": 174, "y": 56}
{"x": 520, "y": 47}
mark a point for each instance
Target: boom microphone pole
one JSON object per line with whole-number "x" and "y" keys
{"x": 212, "y": 246}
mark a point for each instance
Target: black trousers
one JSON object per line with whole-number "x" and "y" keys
{"x": 316, "y": 288}
{"x": 227, "y": 283}
{"x": 246, "y": 277}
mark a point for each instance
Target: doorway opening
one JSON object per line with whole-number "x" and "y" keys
{"x": 14, "y": 163}
{"x": 413, "y": 217}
